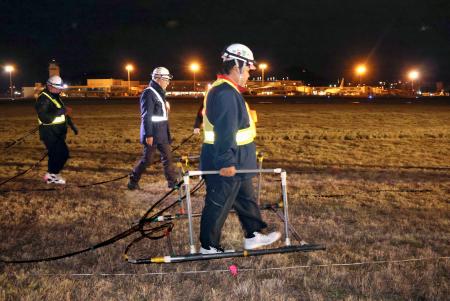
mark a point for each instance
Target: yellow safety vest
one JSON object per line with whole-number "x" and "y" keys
{"x": 243, "y": 136}
{"x": 59, "y": 119}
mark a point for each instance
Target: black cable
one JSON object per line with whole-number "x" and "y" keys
{"x": 120, "y": 236}
{"x": 63, "y": 187}
{"x": 30, "y": 132}
{"x": 25, "y": 171}
{"x": 78, "y": 186}
{"x": 368, "y": 191}
{"x": 139, "y": 227}
{"x": 183, "y": 142}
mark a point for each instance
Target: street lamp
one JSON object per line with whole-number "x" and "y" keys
{"x": 129, "y": 68}
{"x": 10, "y": 69}
{"x": 413, "y": 75}
{"x": 360, "y": 71}
{"x": 263, "y": 67}
{"x": 194, "y": 68}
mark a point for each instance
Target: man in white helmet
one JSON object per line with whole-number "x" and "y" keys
{"x": 155, "y": 133}
{"x": 53, "y": 117}
{"x": 229, "y": 131}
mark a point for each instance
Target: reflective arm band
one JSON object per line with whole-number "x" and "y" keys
{"x": 159, "y": 118}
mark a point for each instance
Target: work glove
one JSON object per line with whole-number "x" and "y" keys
{"x": 74, "y": 129}
{"x": 72, "y": 125}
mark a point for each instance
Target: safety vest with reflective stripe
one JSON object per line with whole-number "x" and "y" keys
{"x": 243, "y": 136}
{"x": 58, "y": 119}
{"x": 156, "y": 118}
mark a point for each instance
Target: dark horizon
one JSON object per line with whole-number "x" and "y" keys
{"x": 95, "y": 39}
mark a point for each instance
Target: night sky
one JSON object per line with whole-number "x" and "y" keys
{"x": 314, "y": 39}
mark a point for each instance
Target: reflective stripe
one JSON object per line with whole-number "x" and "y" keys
{"x": 57, "y": 104}
{"x": 243, "y": 136}
{"x": 159, "y": 118}
{"x": 209, "y": 137}
{"x": 164, "y": 117}
{"x": 58, "y": 119}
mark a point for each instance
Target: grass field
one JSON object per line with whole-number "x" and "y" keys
{"x": 371, "y": 182}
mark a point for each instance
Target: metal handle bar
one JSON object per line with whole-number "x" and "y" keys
{"x": 193, "y": 173}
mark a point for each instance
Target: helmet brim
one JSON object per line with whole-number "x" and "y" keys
{"x": 60, "y": 87}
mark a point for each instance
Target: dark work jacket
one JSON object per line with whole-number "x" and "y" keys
{"x": 226, "y": 110}
{"x": 47, "y": 112}
{"x": 150, "y": 105}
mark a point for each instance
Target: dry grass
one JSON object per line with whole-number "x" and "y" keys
{"x": 355, "y": 151}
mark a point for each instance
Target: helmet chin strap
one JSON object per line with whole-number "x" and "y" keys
{"x": 241, "y": 69}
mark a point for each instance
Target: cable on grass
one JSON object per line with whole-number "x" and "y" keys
{"x": 368, "y": 191}
{"x": 18, "y": 140}
{"x": 399, "y": 261}
{"x": 25, "y": 171}
{"x": 64, "y": 187}
{"x": 365, "y": 166}
{"x": 142, "y": 227}
{"x": 78, "y": 186}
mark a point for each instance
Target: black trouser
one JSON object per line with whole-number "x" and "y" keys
{"x": 147, "y": 158}
{"x": 58, "y": 153}
{"x": 222, "y": 194}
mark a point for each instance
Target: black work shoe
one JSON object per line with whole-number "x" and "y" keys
{"x": 133, "y": 185}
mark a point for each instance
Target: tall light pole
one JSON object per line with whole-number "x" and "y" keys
{"x": 10, "y": 69}
{"x": 195, "y": 67}
{"x": 413, "y": 75}
{"x": 360, "y": 70}
{"x": 129, "y": 68}
{"x": 263, "y": 67}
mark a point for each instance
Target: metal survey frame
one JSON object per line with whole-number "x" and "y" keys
{"x": 186, "y": 185}
{"x": 194, "y": 256}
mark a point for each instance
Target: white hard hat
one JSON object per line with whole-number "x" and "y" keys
{"x": 56, "y": 82}
{"x": 239, "y": 52}
{"x": 161, "y": 72}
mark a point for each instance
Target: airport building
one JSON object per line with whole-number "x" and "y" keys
{"x": 110, "y": 87}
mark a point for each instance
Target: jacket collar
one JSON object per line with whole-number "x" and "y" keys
{"x": 236, "y": 85}
{"x": 53, "y": 95}
{"x": 158, "y": 88}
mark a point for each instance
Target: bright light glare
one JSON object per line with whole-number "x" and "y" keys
{"x": 360, "y": 69}
{"x": 262, "y": 66}
{"x": 129, "y": 67}
{"x": 413, "y": 74}
{"x": 9, "y": 68}
{"x": 194, "y": 67}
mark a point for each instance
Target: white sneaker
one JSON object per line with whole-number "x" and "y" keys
{"x": 260, "y": 240}
{"x": 60, "y": 180}
{"x": 51, "y": 178}
{"x": 211, "y": 250}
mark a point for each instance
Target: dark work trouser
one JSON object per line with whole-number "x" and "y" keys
{"x": 147, "y": 158}
{"x": 58, "y": 153}
{"x": 223, "y": 194}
